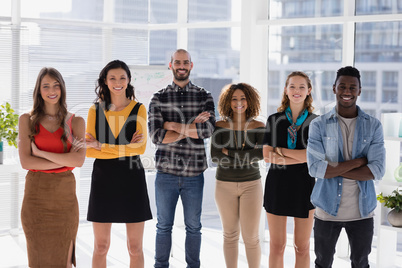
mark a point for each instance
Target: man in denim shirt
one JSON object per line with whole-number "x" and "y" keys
{"x": 345, "y": 153}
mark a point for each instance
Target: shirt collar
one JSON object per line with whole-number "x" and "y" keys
{"x": 177, "y": 88}
{"x": 333, "y": 114}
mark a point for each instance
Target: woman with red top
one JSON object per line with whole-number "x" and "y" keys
{"x": 50, "y": 146}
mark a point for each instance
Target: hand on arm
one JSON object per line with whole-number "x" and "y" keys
{"x": 217, "y": 151}
{"x": 296, "y": 154}
{"x": 355, "y": 169}
{"x": 335, "y": 169}
{"x": 91, "y": 142}
{"x": 76, "y": 156}
{"x": 362, "y": 173}
{"x": 136, "y": 146}
{"x": 178, "y": 131}
{"x": 27, "y": 159}
{"x": 278, "y": 156}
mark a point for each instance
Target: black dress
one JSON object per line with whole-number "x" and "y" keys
{"x": 287, "y": 187}
{"x": 118, "y": 188}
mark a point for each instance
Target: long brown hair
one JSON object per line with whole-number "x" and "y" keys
{"x": 308, "y": 102}
{"x": 225, "y": 99}
{"x": 38, "y": 109}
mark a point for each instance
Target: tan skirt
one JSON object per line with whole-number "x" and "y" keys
{"x": 49, "y": 217}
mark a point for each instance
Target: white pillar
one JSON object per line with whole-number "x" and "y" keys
{"x": 254, "y": 61}
{"x": 348, "y": 51}
{"x": 182, "y": 19}
{"x": 107, "y": 32}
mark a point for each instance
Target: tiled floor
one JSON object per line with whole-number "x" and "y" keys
{"x": 13, "y": 253}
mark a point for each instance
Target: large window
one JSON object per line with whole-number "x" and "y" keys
{"x": 315, "y": 49}
{"x": 378, "y": 52}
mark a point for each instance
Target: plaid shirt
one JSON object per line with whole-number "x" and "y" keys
{"x": 185, "y": 157}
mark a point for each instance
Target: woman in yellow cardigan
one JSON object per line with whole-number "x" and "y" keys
{"x": 116, "y": 136}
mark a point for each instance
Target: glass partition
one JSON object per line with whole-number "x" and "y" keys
{"x": 314, "y": 49}
{"x": 287, "y": 9}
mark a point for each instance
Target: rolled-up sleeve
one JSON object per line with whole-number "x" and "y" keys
{"x": 316, "y": 162}
{"x": 155, "y": 121}
{"x": 376, "y": 153}
{"x": 205, "y": 130}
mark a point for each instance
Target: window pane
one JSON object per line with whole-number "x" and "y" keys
{"x": 368, "y": 7}
{"x": 369, "y": 83}
{"x": 63, "y": 9}
{"x": 285, "y": 9}
{"x": 378, "y": 42}
{"x": 274, "y": 85}
{"x": 163, "y": 11}
{"x": 390, "y": 87}
{"x": 378, "y": 55}
{"x": 216, "y": 63}
{"x": 5, "y": 9}
{"x": 131, "y": 11}
{"x": 131, "y": 46}
{"x": 6, "y": 36}
{"x": 212, "y": 10}
{"x": 161, "y": 45}
{"x": 316, "y": 50}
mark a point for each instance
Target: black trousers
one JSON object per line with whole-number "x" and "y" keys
{"x": 326, "y": 234}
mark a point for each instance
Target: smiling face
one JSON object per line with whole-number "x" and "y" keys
{"x": 347, "y": 90}
{"x": 50, "y": 89}
{"x": 181, "y": 66}
{"x": 239, "y": 102}
{"x": 297, "y": 89}
{"x": 117, "y": 81}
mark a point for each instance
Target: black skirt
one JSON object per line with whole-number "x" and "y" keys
{"x": 119, "y": 191}
{"x": 288, "y": 190}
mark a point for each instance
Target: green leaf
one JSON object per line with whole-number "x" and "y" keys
{"x": 8, "y": 124}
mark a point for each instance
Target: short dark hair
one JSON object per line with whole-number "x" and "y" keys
{"x": 348, "y": 71}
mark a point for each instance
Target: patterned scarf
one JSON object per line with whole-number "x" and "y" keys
{"x": 292, "y": 129}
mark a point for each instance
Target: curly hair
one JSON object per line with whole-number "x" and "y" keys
{"x": 38, "y": 109}
{"x": 102, "y": 90}
{"x": 225, "y": 99}
{"x": 308, "y": 102}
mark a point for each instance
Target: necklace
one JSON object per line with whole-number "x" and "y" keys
{"x": 52, "y": 117}
{"x": 244, "y": 140}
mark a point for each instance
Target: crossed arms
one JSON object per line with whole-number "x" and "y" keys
{"x": 162, "y": 131}
{"x": 33, "y": 158}
{"x": 370, "y": 165}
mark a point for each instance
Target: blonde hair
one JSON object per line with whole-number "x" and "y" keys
{"x": 308, "y": 102}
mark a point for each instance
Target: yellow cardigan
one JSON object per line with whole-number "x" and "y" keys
{"x": 116, "y": 120}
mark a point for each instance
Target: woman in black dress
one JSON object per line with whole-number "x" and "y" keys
{"x": 116, "y": 136}
{"x": 288, "y": 185}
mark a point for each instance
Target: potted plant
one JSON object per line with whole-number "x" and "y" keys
{"x": 8, "y": 127}
{"x": 394, "y": 202}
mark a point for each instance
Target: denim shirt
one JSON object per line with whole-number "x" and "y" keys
{"x": 325, "y": 145}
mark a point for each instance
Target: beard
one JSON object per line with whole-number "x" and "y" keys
{"x": 180, "y": 77}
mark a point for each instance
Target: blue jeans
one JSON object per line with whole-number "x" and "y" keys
{"x": 360, "y": 235}
{"x": 168, "y": 188}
